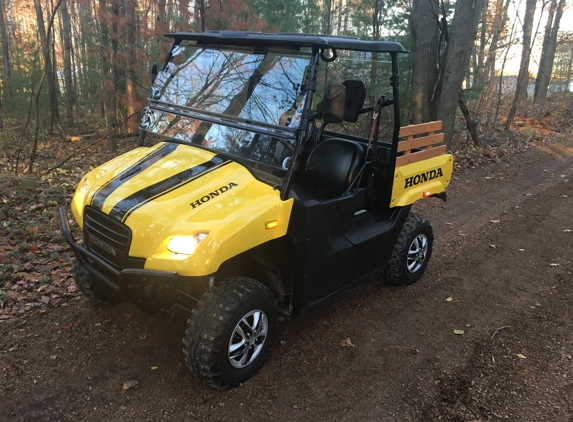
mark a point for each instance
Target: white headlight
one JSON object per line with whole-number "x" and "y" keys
{"x": 185, "y": 244}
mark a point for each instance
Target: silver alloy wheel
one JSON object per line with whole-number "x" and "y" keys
{"x": 417, "y": 253}
{"x": 248, "y": 338}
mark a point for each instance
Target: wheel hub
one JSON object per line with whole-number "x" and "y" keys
{"x": 248, "y": 339}
{"x": 417, "y": 253}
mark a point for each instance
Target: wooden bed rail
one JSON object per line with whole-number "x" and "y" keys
{"x": 419, "y": 142}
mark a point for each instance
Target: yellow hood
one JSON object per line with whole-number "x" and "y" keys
{"x": 173, "y": 189}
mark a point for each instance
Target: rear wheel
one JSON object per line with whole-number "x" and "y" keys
{"x": 411, "y": 252}
{"x": 230, "y": 333}
{"x": 87, "y": 283}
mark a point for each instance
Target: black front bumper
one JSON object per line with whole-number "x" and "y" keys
{"x": 129, "y": 282}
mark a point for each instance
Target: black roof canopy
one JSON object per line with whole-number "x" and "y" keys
{"x": 284, "y": 39}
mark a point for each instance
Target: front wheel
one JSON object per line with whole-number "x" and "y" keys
{"x": 411, "y": 252}
{"x": 230, "y": 332}
{"x": 88, "y": 283}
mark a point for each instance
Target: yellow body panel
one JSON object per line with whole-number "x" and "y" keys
{"x": 424, "y": 178}
{"x": 235, "y": 221}
{"x": 226, "y": 201}
{"x": 99, "y": 176}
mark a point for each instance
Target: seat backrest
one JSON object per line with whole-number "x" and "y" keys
{"x": 333, "y": 165}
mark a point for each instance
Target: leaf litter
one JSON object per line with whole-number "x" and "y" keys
{"x": 132, "y": 384}
{"x": 35, "y": 260}
{"x": 346, "y": 343}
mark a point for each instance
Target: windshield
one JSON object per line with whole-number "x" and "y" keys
{"x": 372, "y": 70}
{"x": 240, "y": 102}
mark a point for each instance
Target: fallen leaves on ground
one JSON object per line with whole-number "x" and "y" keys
{"x": 35, "y": 260}
{"x": 346, "y": 343}
{"x": 130, "y": 384}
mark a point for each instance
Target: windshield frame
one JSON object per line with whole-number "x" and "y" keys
{"x": 222, "y": 119}
{"x": 160, "y": 115}
{"x": 306, "y": 130}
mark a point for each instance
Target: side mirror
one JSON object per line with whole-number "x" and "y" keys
{"x": 153, "y": 72}
{"x": 332, "y": 105}
{"x": 355, "y": 97}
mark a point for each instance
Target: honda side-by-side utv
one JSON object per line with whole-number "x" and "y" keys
{"x": 264, "y": 182}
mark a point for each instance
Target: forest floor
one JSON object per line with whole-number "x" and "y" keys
{"x": 501, "y": 271}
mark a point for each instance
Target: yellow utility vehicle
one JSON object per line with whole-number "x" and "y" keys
{"x": 265, "y": 181}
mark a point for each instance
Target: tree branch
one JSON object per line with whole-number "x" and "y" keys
{"x": 90, "y": 145}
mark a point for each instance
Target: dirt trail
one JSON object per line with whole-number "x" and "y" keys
{"x": 502, "y": 256}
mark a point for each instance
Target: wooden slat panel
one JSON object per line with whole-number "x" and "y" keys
{"x": 421, "y": 128}
{"x": 420, "y": 142}
{"x": 420, "y": 155}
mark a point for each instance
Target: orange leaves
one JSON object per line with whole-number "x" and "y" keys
{"x": 108, "y": 86}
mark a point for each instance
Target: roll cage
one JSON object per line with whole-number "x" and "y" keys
{"x": 323, "y": 47}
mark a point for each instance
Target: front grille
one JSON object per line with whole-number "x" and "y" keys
{"x": 107, "y": 238}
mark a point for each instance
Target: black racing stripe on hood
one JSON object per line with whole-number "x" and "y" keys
{"x": 103, "y": 193}
{"x": 124, "y": 208}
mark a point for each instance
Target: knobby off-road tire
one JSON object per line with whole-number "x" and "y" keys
{"x": 87, "y": 283}
{"x": 230, "y": 332}
{"x": 411, "y": 252}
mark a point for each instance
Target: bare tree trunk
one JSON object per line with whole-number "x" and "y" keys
{"x": 339, "y": 18}
{"x": 45, "y": 40}
{"x": 500, "y": 85}
{"x": 523, "y": 76}
{"x": 473, "y": 69}
{"x": 470, "y": 123}
{"x": 9, "y": 22}
{"x": 200, "y": 13}
{"x": 547, "y": 55}
{"x": 111, "y": 117}
{"x": 47, "y": 69}
{"x": 67, "y": 36}
{"x": 161, "y": 11}
{"x": 569, "y": 70}
{"x": 104, "y": 53}
{"x": 499, "y": 22}
{"x": 109, "y": 69}
{"x": 326, "y": 16}
{"x": 424, "y": 29}
{"x": 162, "y": 26}
{"x": 479, "y": 56}
{"x": 497, "y": 25}
{"x": 7, "y": 64}
{"x": 539, "y": 80}
{"x": 437, "y": 96}
{"x": 77, "y": 73}
{"x": 131, "y": 83}
{"x": 85, "y": 39}
{"x": 464, "y": 30}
